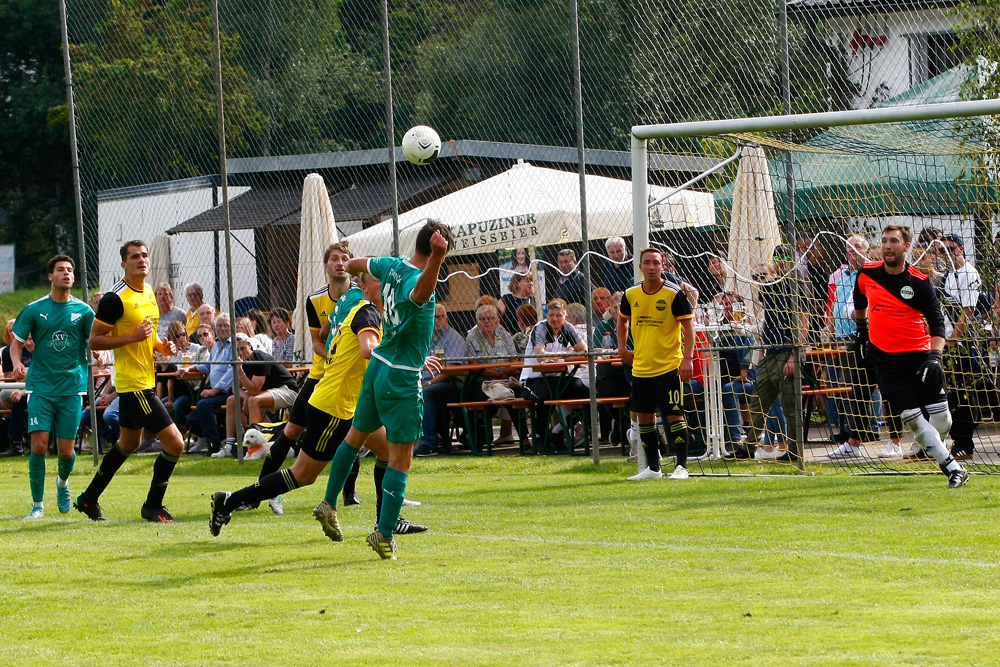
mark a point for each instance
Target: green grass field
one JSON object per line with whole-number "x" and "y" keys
{"x": 529, "y": 561}
{"x": 11, "y": 303}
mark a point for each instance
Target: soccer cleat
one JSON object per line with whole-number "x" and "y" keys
{"x": 156, "y": 514}
{"x": 958, "y": 478}
{"x": 845, "y": 451}
{"x": 646, "y": 473}
{"x": 277, "y": 505}
{"x": 891, "y": 451}
{"x": 680, "y": 472}
{"x": 351, "y": 499}
{"x": 35, "y": 513}
{"x": 92, "y": 510}
{"x": 219, "y": 517}
{"x": 404, "y": 527}
{"x": 384, "y": 547}
{"x": 961, "y": 454}
{"x": 327, "y": 517}
{"x": 63, "y": 501}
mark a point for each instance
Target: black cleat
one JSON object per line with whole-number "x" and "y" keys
{"x": 92, "y": 510}
{"x": 404, "y": 527}
{"x": 156, "y": 514}
{"x": 219, "y": 517}
{"x": 351, "y": 499}
{"x": 957, "y": 478}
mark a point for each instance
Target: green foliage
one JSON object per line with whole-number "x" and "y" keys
{"x": 147, "y": 92}
{"x": 529, "y": 561}
{"x": 36, "y": 193}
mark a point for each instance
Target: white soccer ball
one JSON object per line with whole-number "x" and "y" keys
{"x": 253, "y": 438}
{"x": 421, "y": 144}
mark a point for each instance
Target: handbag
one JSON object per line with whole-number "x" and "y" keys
{"x": 499, "y": 390}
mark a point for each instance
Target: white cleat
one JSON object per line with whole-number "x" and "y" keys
{"x": 646, "y": 473}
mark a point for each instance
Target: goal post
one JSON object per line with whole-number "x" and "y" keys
{"x": 824, "y": 179}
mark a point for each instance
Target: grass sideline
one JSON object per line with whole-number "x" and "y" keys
{"x": 11, "y": 303}
{"x": 529, "y": 561}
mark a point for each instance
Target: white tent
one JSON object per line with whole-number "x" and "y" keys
{"x": 317, "y": 231}
{"x": 534, "y": 206}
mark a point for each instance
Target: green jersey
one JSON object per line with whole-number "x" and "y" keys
{"x": 408, "y": 326}
{"x": 61, "y": 332}
{"x": 345, "y": 305}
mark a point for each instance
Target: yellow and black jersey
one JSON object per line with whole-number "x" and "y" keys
{"x": 319, "y": 305}
{"x": 124, "y": 309}
{"x": 337, "y": 393}
{"x": 655, "y": 323}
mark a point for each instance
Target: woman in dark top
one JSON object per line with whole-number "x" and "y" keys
{"x": 522, "y": 288}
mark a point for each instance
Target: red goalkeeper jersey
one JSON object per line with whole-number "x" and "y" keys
{"x": 904, "y": 311}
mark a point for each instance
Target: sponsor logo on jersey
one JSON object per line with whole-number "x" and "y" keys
{"x": 59, "y": 341}
{"x": 906, "y": 292}
{"x": 44, "y": 316}
{"x": 74, "y": 317}
{"x": 661, "y": 305}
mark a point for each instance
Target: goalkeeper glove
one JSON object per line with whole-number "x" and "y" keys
{"x": 862, "y": 345}
{"x": 931, "y": 372}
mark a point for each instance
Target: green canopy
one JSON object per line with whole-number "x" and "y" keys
{"x": 911, "y": 168}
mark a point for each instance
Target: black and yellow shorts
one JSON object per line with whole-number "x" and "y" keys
{"x": 142, "y": 409}
{"x": 323, "y": 434}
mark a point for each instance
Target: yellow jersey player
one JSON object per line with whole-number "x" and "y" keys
{"x": 126, "y": 323}
{"x": 330, "y": 410}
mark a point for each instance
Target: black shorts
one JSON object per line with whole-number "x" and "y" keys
{"x": 896, "y": 375}
{"x": 298, "y": 414}
{"x": 663, "y": 392}
{"x": 142, "y": 409}
{"x": 323, "y": 434}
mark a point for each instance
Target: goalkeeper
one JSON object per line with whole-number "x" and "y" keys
{"x": 892, "y": 303}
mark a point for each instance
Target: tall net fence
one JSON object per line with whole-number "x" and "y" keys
{"x": 305, "y": 90}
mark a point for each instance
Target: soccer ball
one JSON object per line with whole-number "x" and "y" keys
{"x": 253, "y": 438}
{"x": 421, "y": 144}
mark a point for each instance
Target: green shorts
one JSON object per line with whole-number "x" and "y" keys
{"x": 55, "y": 414}
{"x": 392, "y": 398}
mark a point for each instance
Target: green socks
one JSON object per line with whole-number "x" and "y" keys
{"x": 340, "y": 470}
{"x": 36, "y": 476}
{"x": 66, "y": 467}
{"x": 393, "y": 488}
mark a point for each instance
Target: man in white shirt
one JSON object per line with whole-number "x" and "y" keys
{"x": 962, "y": 282}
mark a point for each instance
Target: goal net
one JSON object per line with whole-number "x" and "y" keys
{"x": 797, "y": 211}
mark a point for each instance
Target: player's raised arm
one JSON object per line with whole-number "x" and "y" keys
{"x": 427, "y": 281}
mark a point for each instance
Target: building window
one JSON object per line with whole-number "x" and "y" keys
{"x": 932, "y": 54}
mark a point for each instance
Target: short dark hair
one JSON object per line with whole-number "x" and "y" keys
{"x": 647, "y": 250}
{"x": 60, "y": 258}
{"x": 903, "y": 230}
{"x": 281, "y": 314}
{"x": 130, "y": 244}
{"x": 423, "y": 245}
{"x": 340, "y": 246}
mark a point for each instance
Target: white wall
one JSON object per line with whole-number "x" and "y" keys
{"x": 122, "y": 219}
{"x": 889, "y": 65}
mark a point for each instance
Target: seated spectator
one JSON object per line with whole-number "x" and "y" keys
{"x": 576, "y": 315}
{"x": 259, "y": 341}
{"x": 15, "y": 400}
{"x": 611, "y": 381}
{"x": 263, "y": 387}
{"x": 108, "y": 429}
{"x": 548, "y": 342}
{"x": 527, "y": 317}
{"x": 571, "y": 285}
{"x": 205, "y": 316}
{"x": 522, "y": 288}
{"x": 600, "y": 300}
{"x": 202, "y": 421}
{"x": 168, "y": 312}
{"x": 619, "y": 274}
{"x": 446, "y": 343}
{"x": 283, "y": 346}
{"x": 261, "y": 323}
{"x": 489, "y": 342}
{"x": 187, "y": 353}
{"x": 438, "y": 390}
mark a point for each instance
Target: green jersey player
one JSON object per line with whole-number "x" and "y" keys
{"x": 390, "y": 394}
{"x": 60, "y": 326}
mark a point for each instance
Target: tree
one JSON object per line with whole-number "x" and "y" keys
{"x": 36, "y": 192}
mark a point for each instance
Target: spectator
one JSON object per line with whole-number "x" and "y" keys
{"x": 438, "y": 390}
{"x": 175, "y": 390}
{"x": 618, "y": 272}
{"x": 283, "y": 347}
{"x": 576, "y": 315}
{"x": 168, "y": 312}
{"x": 263, "y": 387}
{"x": 611, "y": 381}
{"x": 260, "y": 322}
{"x": 195, "y": 298}
{"x": 259, "y": 341}
{"x": 527, "y": 316}
{"x": 718, "y": 273}
{"x": 220, "y": 380}
{"x": 548, "y": 341}
{"x": 735, "y": 356}
{"x": 522, "y": 288}
{"x": 15, "y": 400}
{"x": 205, "y": 315}
{"x": 783, "y": 329}
{"x": 488, "y": 343}
{"x": 962, "y": 283}
{"x": 447, "y": 343}
{"x": 600, "y": 301}
{"x": 571, "y": 286}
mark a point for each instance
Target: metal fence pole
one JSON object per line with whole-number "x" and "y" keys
{"x": 390, "y": 126}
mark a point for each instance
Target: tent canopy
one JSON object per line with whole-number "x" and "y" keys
{"x": 910, "y": 168}
{"x": 534, "y": 206}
